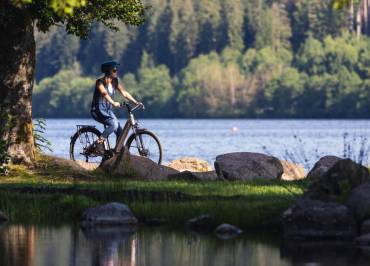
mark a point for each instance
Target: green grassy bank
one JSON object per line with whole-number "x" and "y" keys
{"x": 52, "y": 193}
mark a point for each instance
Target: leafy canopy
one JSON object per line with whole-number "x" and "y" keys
{"x": 339, "y": 4}
{"x": 79, "y": 15}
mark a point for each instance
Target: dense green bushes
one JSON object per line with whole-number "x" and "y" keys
{"x": 328, "y": 78}
{"x": 216, "y": 58}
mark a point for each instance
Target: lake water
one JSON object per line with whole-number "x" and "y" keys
{"x": 69, "y": 245}
{"x": 302, "y": 141}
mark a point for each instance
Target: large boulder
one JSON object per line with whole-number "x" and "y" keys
{"x": 132, "y": 166}
{"x": 338, "y": 182}
{"x": 247, "y": 166}
{"x": 292, "y": 171}
{"x": 313, "y": 219}
{"x": 111, "y": 214}
{"x": 194, "y": 176}
{"x": 359, "y": 201}
{"x": 191, "y": 164}
{"x": 322, "y": 166}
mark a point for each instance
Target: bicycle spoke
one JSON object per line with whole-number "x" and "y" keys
{"x": 145, "y": 145}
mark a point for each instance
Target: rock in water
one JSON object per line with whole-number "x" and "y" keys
{"x": 3, "y": 217}
{"x": 338, "y": 182}
{"x": 202, "y": 222}
{"x": 322, "y": 166}
{"x": 247, "y": 166}
{"x": 191, "y": 164}
{"x": 314, "y": 219}
{"x": 111, "y": 214}
{"x": 227, "y": 231}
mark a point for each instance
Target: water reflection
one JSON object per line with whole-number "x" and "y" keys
{"x": 69, "y": 245}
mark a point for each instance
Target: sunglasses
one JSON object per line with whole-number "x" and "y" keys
{"x": 114, "y": 70}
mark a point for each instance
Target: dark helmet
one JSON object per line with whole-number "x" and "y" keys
{"x": 106, "y": 67}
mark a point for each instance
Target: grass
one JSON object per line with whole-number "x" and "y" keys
{"x": 52, "y": 193}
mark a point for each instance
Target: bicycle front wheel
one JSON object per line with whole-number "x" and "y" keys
{"x": 146, "y": 144}
{"x": 80, "y": 146}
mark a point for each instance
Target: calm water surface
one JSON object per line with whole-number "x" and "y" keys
{"x": 69, "y": 245}
{"x": 303, "y": 141}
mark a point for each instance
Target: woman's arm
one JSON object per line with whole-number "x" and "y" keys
{"x": 105, "y": 94}
{"x": 125, "y": 94}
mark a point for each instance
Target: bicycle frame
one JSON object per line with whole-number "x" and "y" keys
{"x": 121, "y": 138}
{"x": 130, "y": 124}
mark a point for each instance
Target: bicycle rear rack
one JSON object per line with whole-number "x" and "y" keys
{"x": 83, "y": 126}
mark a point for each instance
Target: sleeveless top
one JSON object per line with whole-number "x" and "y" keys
{"x": 99, "y": 102}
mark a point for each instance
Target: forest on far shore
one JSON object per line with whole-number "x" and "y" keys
{"x": 218, "y": 58}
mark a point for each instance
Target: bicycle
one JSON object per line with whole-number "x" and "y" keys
{"x": 141, "y": 142}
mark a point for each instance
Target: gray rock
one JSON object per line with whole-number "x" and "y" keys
{"x": 3, "y": 217}
{"x": 247, "y": 166}
{"x": 336, "y": 184}
{"x": 313, "y": 219}
{"x": 365, "y": 227}
{"x": 227, "y": 231}
{"x": 111, "y": 214}
{"x": 136, "y": 167}
{"x": 359, "y": 201}
{"x": 202, "y": 222}
{"x": 363, "y": 240}
{"x": 194, "y": 176}
{"x": 322, "y": 166}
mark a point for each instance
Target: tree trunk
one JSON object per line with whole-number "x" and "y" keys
{"x": 358, "y": 22}
{"x": 17, "y": 57}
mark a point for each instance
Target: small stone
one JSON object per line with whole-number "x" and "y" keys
{"x": 202, "y": 222}
{"x": 227, "y": 231}
{"x": 3, "y": 217}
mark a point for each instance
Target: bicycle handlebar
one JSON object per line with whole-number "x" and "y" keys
{"x": 131, "y": 109}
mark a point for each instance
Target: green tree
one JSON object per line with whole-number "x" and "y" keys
{"x": 60, "y": 52}
{"x": 63, "y": 95}
{"x": 283, "y": 92}
{"x": 18, "y": 51}
{"x": 153, "y": 87}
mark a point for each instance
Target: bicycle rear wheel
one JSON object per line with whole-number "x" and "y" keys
{"x": 81, "y": 147}
{"x": 146, "y": 144}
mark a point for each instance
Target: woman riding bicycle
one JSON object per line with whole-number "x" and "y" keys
{"x": 101, "y": 106}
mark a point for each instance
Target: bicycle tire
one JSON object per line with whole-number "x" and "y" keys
{"x": 150, "y": 134}
{"x": 75, "y": 137}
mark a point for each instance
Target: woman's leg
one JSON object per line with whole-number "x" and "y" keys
{"x": 112, "y": 125}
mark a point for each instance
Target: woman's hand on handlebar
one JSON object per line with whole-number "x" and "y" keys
{"x": 116, "y": 104}
{"x": 140, "y": 104}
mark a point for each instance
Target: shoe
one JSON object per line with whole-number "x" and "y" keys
{"x": 99, "y": 148}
